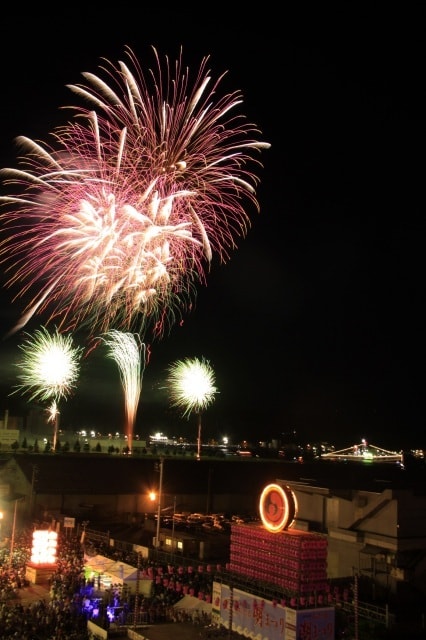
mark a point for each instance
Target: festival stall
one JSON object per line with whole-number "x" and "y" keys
{"x": 107, "y": 572}
{"x": 194, "y": 607}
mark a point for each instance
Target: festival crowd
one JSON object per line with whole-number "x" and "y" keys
{"x": 74, "y": 598}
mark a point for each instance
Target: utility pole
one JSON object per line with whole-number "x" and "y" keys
{"x": 231, "y": 609}
{"x": 173, "y": 525}
{"x": 138, "y": 577}
{"x": 356, "y": 606}
{"x": 33, "y": 483}
{"x": 160, "y": 491}
{"x": 12, "y": 538}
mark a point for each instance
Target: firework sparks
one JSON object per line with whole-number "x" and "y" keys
{"x": 49, "y": 369}
{"x": 192, "y": 388}
{"x": 122, "y": 214}
{"x": 50, "y": 365}
{"x": 129, "y": 354}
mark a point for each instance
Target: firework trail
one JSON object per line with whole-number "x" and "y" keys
{"x": 116, "y": 222}
{"x": 191, "y": 383}
{"x": 49, "y": 369}
{"x": 53, "y": 415}
{"x": 52, "y": 411}
{"x": 128, "y": 352}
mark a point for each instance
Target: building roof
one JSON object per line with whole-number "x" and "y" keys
{"x": 116, "y": 474}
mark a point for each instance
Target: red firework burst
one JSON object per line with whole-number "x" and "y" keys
{"x": 117, "y": 220}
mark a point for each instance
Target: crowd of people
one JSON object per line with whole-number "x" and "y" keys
{"x": 74, "y": 598}
{"x": 58, "y": 617}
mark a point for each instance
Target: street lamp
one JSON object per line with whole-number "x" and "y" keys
{"x": 173, "y": 525}
{"x": 160, "y": 491}
{"x": 12, "y": 537}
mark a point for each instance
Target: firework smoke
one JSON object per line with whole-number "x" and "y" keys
{"x": 129, "y": 354}
{"x": 116, "y": 222}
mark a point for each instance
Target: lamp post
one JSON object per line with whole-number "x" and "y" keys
{"x": 12, "y": 538}
{"x": 138, "y": 576}
{"x": 160, "y": 491}
{"x": 173, "y": 525}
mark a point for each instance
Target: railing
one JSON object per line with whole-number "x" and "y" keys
{"x": 94, "y": 534}
{"x": 370, "y": 612}
{"x": 363, "y": 610}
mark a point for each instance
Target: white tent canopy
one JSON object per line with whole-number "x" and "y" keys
{"x": 117, "y": 572}
{"x": 98, "y": 563}
{"x": 191, "y": 603}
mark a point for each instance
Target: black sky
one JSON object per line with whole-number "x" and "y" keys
{"x": 316, "y": 323}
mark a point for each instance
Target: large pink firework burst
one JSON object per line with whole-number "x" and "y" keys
{"x": 118, "y": 219}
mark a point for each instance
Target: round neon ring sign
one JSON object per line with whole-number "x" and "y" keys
{"x": 277, "y": 507}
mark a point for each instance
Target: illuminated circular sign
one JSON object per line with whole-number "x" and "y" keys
{"x": 277, "y": 507}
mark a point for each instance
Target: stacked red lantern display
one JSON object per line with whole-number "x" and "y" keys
{"x": 295, "y": 561}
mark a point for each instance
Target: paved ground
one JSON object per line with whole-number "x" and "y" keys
{"x": 176, "y": 631}
{"x": 186, "y": 631}
{"x": 33, "y": 593}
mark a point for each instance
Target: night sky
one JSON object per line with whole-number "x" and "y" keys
{"x": 316, "y": 323}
